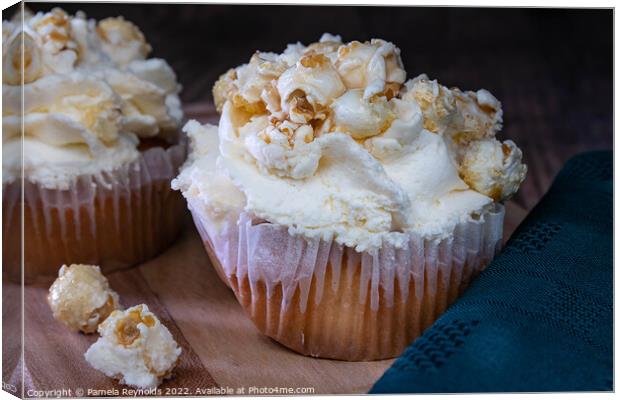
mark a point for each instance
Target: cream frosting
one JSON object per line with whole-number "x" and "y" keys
{"x": 201, "y": 177}
{"x": 89, "y": 95}
{"x": 332, "y": 142}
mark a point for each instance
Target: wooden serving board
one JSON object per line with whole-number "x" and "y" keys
{"x": 221, "y": 347}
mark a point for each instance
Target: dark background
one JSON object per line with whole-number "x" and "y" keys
{"x": 551, "y": 68}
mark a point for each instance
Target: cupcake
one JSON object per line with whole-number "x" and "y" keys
{"x": 345, "y": 205}
{"x": 99, "y": 144}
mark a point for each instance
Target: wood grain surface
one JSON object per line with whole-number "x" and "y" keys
{"x": 221, "y": 347}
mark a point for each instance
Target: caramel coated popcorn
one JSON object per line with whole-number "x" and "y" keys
{"x": 281, "y": 105}
{"x": 81, "y": 298}
{"x": 122, "y": 40}
{"x": 493, "y": 168}
{"x": 134, "y": 348}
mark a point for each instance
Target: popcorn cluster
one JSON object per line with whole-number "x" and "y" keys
{"x": 47, "y": 47}
{"x": 281, "y": 103}
{"x": 56, "y": 43}
{"x": 84, "y": 82}
{"x": 134, "y": 346}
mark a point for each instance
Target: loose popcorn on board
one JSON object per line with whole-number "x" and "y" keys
{"x": 81, "y": 298}
{"x": 134, "y": 348}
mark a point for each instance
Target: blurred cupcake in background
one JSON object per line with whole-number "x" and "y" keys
{"x": 345, "y": 205}
{"x": 99, "y": 144}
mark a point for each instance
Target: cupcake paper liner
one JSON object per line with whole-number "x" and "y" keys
{"x": 113, "y": 219}
{"x": 324, "y": 299}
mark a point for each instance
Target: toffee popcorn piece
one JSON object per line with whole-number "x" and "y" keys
{"x": 81, "y": 298}
{"x": 134, "y": 348}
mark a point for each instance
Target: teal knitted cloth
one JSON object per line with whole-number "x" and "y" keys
{"x": 540, "y": 317}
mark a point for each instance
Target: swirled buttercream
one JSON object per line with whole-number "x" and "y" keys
{"x": 89, "y": 96}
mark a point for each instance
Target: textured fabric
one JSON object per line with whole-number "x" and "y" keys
{"x": 540, "y": 317}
